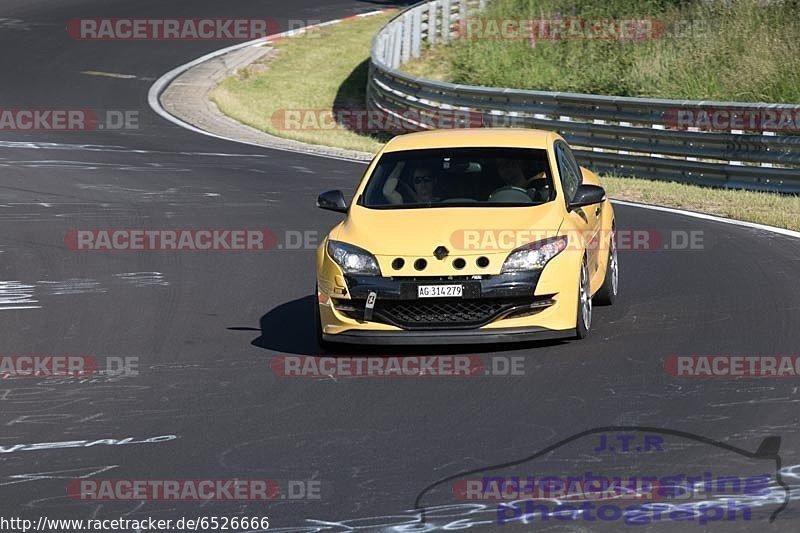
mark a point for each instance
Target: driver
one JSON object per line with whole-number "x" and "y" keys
{"x": 511, "y": 173}
{"x": 536, "y": 186}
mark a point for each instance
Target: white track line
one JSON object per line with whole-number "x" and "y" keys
{"x": 161, "y": 83}
{"x": 714, "y": 218}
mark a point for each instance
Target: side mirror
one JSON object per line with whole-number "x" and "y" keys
{"x": 332, "y": 201}
{"x": 588, "y": 195}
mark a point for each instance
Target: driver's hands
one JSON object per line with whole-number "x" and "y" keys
{"x": 390, "y": 191}
{"x": 533, "y": 179}
{"x": 539, "y": 187}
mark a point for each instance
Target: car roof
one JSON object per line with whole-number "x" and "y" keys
{"x": 472, "y": 138}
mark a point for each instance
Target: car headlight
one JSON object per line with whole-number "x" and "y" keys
{"x": 352, "y": 259}
{"x": 534, "y": 255}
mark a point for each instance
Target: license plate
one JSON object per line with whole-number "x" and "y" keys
{"x": 440, "y": 291}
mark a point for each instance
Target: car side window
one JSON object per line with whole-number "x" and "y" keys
{"x": 574, "y": 164}
{"x": 569, "y": 171}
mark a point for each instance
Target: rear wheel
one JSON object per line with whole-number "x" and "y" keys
{"x": 584, "y": 320}
{"x": 607, "y": 294}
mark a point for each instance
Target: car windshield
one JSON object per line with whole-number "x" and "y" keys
{"x": 460, "y": 177}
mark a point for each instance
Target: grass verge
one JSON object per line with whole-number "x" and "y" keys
{"x": 743, "y": 51}
{"x": 321, "y": 73}
{"x": 763, "y": 208}
{"x": 309, "y": 75}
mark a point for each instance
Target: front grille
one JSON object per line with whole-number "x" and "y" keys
{"x": 441, "y": 313}
{"x": 444, "y": 313}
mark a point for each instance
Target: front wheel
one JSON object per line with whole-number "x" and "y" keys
{"x": 584, "y": 320}
{"x": 607, "y": 294}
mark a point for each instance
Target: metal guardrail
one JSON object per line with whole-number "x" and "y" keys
{"x": 625, "y": 136}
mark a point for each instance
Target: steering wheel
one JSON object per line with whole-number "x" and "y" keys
{"x": 508, "y": 188}
{"x": 509, "y": 193}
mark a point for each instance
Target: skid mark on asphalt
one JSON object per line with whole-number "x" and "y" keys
{"x": 47, "y": 212}
{"x": 40, "y": 446}
{"x": 71, "y": 286}
{"x": 18, "y": 295}
{"x": 304, "y": 170}
{"x": 74, "y": 473}
{"x": 30, "y": 145}
{"x": 117, "y": 188}
{"x": 184, "y": 194}
{"x": 87, "y": 165}
{"x": 15, "y": 295}
{"x": 115, "y": 75}
{"x": 757, "y": 401}
{"x": 15, "y": 24}
{"x": 142, "y": 279}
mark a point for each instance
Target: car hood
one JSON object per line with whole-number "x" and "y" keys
{"x": 463, "y": 229}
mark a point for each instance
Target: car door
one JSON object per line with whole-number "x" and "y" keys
{"x": 585, "y": 219}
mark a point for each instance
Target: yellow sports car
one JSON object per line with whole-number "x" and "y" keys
{"x": 467, "y": 236}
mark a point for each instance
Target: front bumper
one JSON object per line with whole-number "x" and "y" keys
{"x": 485, "y": 300}
{"x": 476, "y": 336}
{"x": 494, "y": 307}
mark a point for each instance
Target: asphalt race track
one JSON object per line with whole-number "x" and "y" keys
{"x": 206, "y": 327}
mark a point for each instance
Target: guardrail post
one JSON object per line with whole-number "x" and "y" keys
{"x": 397, "y": 44}
{"x": 768, "y": 165}
{"x": 624, "y": 152}
{"x": 598, "y": 121}
{"x": 692, "y": 128}
{"x": 388, "y": 52}
{"x": 416, "y": 33}
{"x": 463, "y": 15}
{"x": 432, "y": 25}
{"x": 407, "y": 29}
{"x": 658, "y": 127}
{"x": 446, "y": 8}
{"x": 736, "y": 163}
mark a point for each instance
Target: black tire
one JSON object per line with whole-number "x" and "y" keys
{"x": 584, "y": 318}
{"x": 607, "y": 294}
